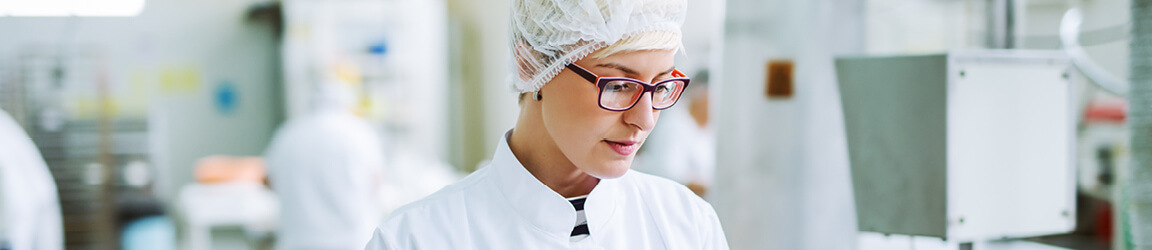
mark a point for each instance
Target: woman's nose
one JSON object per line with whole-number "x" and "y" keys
{"x": 642, "y": 115}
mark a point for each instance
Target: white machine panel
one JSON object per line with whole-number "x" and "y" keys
{"x": 966, "y": 146}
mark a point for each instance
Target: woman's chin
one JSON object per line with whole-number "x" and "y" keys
{"x": 609, "y": 169}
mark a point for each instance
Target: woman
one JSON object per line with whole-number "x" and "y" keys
{"x": 594, "y": 75}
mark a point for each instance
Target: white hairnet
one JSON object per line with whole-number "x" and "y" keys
{"x": 548, "y": 34}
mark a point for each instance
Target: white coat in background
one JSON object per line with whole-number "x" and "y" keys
{"x": 29, "y": 208}
{"x": 502, "y": 206}
{"x": 325, "y": 167}
{"x": 679, "y": 149}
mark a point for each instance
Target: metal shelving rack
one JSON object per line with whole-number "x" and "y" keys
{"x": 86, "y": 156}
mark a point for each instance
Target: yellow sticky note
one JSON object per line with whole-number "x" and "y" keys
{"x": 179, "y": 80}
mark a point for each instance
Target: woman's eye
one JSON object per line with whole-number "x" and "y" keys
{"x": 662, "y": 88}
{"x": 617, "y": 87}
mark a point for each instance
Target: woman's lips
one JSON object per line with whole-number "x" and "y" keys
{"x": 624, "y": 148}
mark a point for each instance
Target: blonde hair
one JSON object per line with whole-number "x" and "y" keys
{"x": 653, "y": 40}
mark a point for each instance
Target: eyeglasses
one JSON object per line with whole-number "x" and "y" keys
{"x": 622, "y": 93}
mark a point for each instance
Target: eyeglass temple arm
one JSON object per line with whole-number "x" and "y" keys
{"x": 582, "y": 72}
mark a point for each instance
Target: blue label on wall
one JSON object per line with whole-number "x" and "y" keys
{"x": 226, "y": 97}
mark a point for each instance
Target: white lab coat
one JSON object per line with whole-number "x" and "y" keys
{"x": 325, "y": 168}
{"x": 29, "y": 208}
{"x": 502, "y": 206}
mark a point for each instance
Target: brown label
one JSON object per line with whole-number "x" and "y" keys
{"x": 779, "y": 79}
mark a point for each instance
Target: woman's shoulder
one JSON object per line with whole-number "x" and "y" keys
{"x": 665, "y": 192}
{"x": 442, "y": 211}
{"x": 675, "y": 209}
{"x": 445, "y": 200}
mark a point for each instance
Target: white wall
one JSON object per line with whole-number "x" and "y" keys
{"x": 782, "y": 173}
{"x": 895, "y": 26}
{"x": 487, "y": 105}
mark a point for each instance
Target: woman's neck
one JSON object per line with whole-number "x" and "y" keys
{"x": 532, "y": 145}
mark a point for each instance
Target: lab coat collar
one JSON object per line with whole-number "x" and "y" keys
{"x": 543, "y": 207}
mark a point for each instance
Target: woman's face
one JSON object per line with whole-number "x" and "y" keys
{"x": 599, "y": 142}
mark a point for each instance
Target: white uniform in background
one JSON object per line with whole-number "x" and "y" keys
{"x": 29, "y": 208}
{"x": 326, "y": 167}
{"x": 679, "y": 149}
{"x": 502, "y": 206}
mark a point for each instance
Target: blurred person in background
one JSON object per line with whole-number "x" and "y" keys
{"x": 593, "y": 77}
{"x": 326, "y": 167}
{"x": 29, "y": 208}
{"x": 684, "y": 148}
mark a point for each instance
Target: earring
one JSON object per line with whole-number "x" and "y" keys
{"x": 538, "y": 96}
